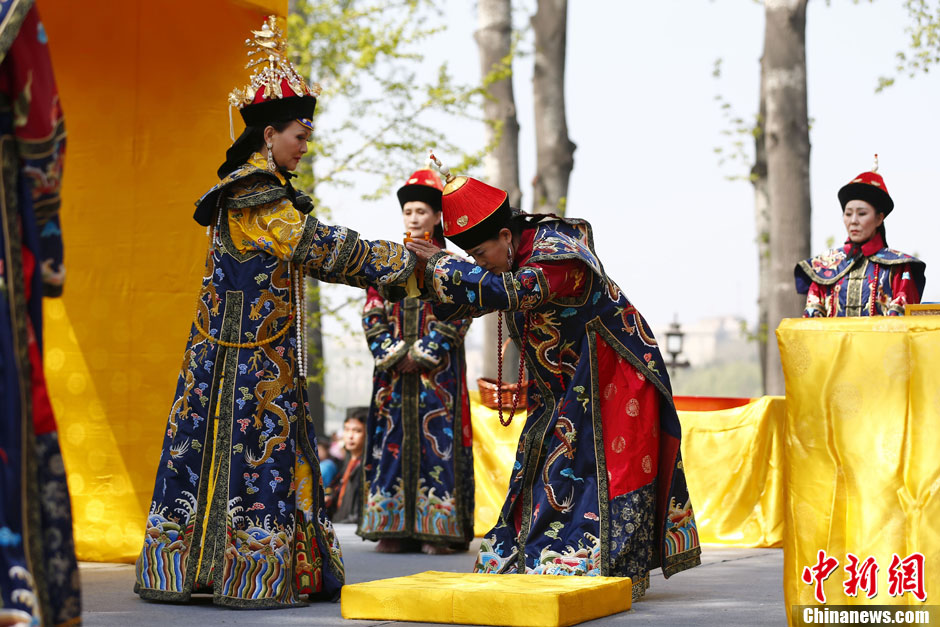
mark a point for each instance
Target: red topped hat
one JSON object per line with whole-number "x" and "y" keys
{"x": 473, "y": 211}
{"x": 870, "y": 187}
{"x": 276, "y": 92}
{"x": 424, "y": 185}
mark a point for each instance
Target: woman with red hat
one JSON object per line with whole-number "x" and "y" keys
{"x": 238, "y": 506}
{"x": 598, "y": 486}
{"x": 418, "y": 462}
{"x": 864, "y": 277}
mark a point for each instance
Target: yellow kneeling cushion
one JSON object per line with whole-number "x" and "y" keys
{"x": 478, "y": 599}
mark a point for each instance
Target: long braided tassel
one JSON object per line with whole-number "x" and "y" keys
{"x": 499, "y": 368}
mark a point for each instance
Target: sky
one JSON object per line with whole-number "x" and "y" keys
{"x": 671, "y": 229}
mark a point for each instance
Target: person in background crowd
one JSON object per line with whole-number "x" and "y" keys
{"x": 345, "y": 504}
{"x": 864, "y": 277}
{"x": 328, "y": 465}
{"x": 337, "y": 446}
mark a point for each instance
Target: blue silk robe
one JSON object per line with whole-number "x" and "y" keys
{"x": 878, "y": 281}
{"x": 238, "y": 506}
{"x": 39, "y": 580}
{"x": 596, "y": 491}
{"x": 418, "y": 460}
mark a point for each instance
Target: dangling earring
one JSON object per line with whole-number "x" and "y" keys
{"x": 509, "y": 256}
{"x": 271, "y": 165}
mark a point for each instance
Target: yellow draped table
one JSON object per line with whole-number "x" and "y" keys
{"x": 477, "y": 599}
{"x": 733, "y": 459}
{"x": 862, "y": 453}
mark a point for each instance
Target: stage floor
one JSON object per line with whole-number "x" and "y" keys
{"x": 731, "y": 587}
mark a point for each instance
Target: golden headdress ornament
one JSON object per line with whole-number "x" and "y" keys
{"x": 268, "y": 54}
{"x": 275, "y": 91}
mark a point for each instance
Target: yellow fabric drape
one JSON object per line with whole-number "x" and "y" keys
{"x": 494, "y": 450}
{"x": 478, "y": 599}
{"x": 144, "y": 87}
{"x": 861, "y": 458}
{"x": 733, "y": 462}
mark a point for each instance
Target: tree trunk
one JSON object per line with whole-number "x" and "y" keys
{"x": 494, "y": 41}
{"x": 554, "y": 150}
{"x": 501, "y": 164}
{"x": 787, "y": 144}
{"x": 762, "y": 222}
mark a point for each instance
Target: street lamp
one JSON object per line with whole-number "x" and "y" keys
{"x": 674, "y": 338}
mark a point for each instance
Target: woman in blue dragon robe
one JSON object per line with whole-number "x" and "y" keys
{"x": 39, "y": 579}
{"x": 864, "y": 277}
{"x": 238, "y": 508}
{"x": 598, "y": 486}
{"x": 418, "y": 463}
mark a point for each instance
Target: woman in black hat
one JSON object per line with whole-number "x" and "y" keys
{"x": 864, "y": 277}
{"x": 418, "y": 463}
{"x": 238, "y": 508}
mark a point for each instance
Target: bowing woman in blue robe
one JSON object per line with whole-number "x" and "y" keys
{"x": 238, "y": 506}
{"x": 598, "y": 486}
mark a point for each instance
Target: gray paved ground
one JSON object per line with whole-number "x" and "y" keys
{"x": 731, "y": 587}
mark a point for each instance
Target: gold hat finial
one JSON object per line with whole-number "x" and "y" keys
{"x": 443, "y": 169}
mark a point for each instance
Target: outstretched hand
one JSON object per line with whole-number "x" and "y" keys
{"x": 424, "y": 250}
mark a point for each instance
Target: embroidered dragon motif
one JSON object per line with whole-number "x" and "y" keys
{"x": 274, "y": 383}
{"x": 180, "y": 408}
{"x": 564, "y": 431}
{"x": 547, "y": 324}
{"x": 431, "y": 415}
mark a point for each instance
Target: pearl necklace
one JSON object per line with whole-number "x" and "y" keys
{"x": 300, "y": 300}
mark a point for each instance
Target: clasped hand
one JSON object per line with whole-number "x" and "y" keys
{"x": 424, "y": 250}
{"x": 407, "y": 365}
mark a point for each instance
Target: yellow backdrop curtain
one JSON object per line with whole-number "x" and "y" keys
{"x": 144, "y": 87}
